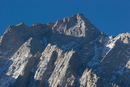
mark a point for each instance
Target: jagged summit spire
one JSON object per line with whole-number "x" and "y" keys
{"x": 36, "y": 24}
{"x": 76, "y": 25}
{"x": 77, "y": 15}
{"x": 21, "y": 24}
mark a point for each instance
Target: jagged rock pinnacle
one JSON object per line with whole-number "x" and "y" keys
{"x": 20, "y": 24}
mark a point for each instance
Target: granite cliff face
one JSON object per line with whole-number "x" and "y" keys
{"x": 69, "y": 53}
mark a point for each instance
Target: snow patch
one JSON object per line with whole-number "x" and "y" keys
{"x": 93, "y": 28}
{"x": 95, "y": 60}
{"x": 113, "y": 78}
{"x": 7, "y": 52}
{"x": 68, "y": 46}
{"x": 121, "y": 71}
{"x": 22, "y": 35}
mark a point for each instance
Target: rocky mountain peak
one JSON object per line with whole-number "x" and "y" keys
{"x": 79, "y": 16}
{"x": 125, "y": 37}
{"x": 36, "y": 24}
{"x": 21, "y": 24}
{"x": 69, "y": 53}
{"x": 77, "y": 26}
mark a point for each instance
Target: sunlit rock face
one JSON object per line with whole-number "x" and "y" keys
{"x": 69, "y": 53}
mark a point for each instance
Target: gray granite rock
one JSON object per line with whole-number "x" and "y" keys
{"x": 69, "y": 53}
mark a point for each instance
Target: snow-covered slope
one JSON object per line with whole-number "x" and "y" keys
{"x": 69, "y": 53}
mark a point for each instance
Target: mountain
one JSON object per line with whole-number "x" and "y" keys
{"x": 69, "y": 53}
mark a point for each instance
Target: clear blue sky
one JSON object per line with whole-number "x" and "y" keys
{"x": 109, "y": 16}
